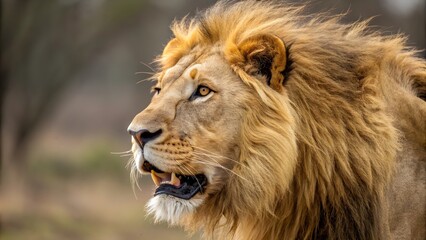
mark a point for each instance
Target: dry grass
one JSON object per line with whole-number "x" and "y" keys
{"x": 90, "y": 198}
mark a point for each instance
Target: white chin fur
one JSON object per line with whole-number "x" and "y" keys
{"x": 171, "y": 209}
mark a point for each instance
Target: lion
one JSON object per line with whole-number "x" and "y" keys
{"x": 269, "y": 124}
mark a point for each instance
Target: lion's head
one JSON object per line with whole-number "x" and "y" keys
{"x": 269, "y": 125}
{"x": 217, "y": 125}
{"x": 198, "y": 136}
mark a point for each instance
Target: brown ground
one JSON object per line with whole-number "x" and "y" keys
{"x": 86, "y": 195}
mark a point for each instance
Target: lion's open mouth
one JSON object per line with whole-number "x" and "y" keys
{"x": 177, "y": 185}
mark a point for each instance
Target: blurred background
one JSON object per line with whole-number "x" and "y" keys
{"x": 70, "y": 73}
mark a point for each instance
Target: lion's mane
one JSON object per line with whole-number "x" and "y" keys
{"x": 333, "y": 126}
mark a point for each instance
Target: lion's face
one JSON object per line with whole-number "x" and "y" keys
{"x": 187, "y": 138}
{"x": 207, "y": 138}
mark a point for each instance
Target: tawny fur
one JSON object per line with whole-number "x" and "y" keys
{"x": 321, "y": 153}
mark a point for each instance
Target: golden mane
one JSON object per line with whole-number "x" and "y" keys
{"x": 319, "y": 158}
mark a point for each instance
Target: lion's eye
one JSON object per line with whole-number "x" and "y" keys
{"x": 203, "y": 91}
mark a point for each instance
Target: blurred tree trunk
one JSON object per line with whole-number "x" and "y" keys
{"x": 2, "y": 93}
{"x": 3, "y": 86}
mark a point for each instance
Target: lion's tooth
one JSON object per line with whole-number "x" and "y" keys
{"x": 175, "y": 180}
{"x": 164, "y": 176}
{"x": 155, "y": 178}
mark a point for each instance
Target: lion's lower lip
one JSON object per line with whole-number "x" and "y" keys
{"x": 177, "y": 185}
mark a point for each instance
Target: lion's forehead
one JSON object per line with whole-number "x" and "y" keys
{"x": 181, "y": 80}
{"x": 200, "y": 58}
{"x": 175, "y": 72}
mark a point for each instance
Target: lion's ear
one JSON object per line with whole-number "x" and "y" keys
{"x": 264, "y": 55}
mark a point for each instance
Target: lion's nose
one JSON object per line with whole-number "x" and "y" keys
{"x": 143, "y": 136}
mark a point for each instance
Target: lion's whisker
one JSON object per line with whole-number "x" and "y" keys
{"x": 212, "y": 156}
{"x": 148, "y": 66}
{"x": 130, "y": 162}
{"x": 187, "y": 169}
{"x": 224, "y": 168}
{"x": 150, "y": 73}
{"x": 147, "y": 79}
{"x": 124, "y": 152}
{"x": 216, "y": 155}
{"x": 191, "y": 172}
{"x": 220, "y": 166}
{"x": 134, "y": 174}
